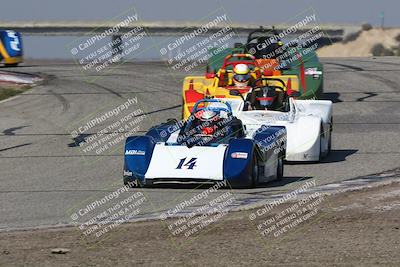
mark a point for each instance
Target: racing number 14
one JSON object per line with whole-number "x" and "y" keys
{"x": 190, "y": 164}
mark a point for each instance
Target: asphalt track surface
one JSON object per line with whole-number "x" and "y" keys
{"x": 45, "y": 177}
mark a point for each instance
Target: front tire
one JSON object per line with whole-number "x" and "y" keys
{"x": 255, "y": 172}
{"x": 253, "y": 176}
{"x": 280, "y": 168}
{"x": 10, "y": 65}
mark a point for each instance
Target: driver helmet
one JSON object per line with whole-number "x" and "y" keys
{"x": 208, "y": 116}
{"x": 241, "y": 76}
{"x": 265, "y": 97}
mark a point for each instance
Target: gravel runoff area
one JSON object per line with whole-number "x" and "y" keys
{"x": 358, "y": 228}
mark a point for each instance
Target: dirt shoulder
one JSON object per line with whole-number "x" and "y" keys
{"x": 9, "y": 90}
{"x": 359, "y": 228}
{"x": 363, "y": 45}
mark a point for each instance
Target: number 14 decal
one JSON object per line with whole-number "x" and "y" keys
{"x": 190, "y": 164}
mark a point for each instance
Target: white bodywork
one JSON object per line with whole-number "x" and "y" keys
{"x": 166, "y": 159}
{"x": 209, "y": 162}
{"x": 308, "y": 126}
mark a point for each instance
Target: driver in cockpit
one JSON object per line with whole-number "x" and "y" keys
{"x": 241, "y": 76}
{"x": 265, "y": 98}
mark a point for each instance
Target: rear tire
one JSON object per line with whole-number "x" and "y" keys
{"x": 330, "y": 137}
{"x": 329, "y": 146}
{"x": 128, "y": 183}
{"x": 320, "y": 150}
{"x": 10, "y": 65}
{"x": 322, "y": 154}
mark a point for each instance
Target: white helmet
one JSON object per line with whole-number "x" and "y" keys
{"x": 241, "y": 76}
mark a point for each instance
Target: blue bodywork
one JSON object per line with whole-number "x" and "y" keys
{"x": 237, "y": 171}
{"x": 137, "y": 163}
{"x": 11, "y": 50}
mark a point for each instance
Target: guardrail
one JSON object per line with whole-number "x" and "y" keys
{"x": 154, "y": 28}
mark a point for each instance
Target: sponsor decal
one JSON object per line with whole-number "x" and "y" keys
{"x": 313, "y": 72}
{"x": 135, "y": 152}
{"x": 128, "y": 173}
{"x": 14, "y": 44}
{"x": 239, "y": 155}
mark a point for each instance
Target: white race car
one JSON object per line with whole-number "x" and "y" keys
{"x": 209, "y": 147}
{"x": 308, "y": 122}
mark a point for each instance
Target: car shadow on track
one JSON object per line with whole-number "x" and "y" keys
{"x": 336, "y": 155}
{"x": 334, "y": 97}
{"x": 284, "y": 181}
{"x": 182, "y": 186}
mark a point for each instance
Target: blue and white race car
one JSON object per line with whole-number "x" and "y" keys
{"x": 10, "y": 48}
{"x": 209, "y": 147}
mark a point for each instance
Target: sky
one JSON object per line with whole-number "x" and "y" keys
{"x": 255, "y": 11}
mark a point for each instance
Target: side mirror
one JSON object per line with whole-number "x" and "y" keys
{"x": 294, "y": 93}
{"x": 234, "y": 92}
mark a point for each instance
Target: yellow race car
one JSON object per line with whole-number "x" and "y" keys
{"x": 220, "y": 84}
{"x": 10, "y": 48}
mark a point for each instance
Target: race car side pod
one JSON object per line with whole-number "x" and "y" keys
{"x": 267, "y": 146}
{"x": 270, "y": 140}
{"x": 238, "y": 171}
{"x": 142, "y": 146}
{"x": 138, "y": 153}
